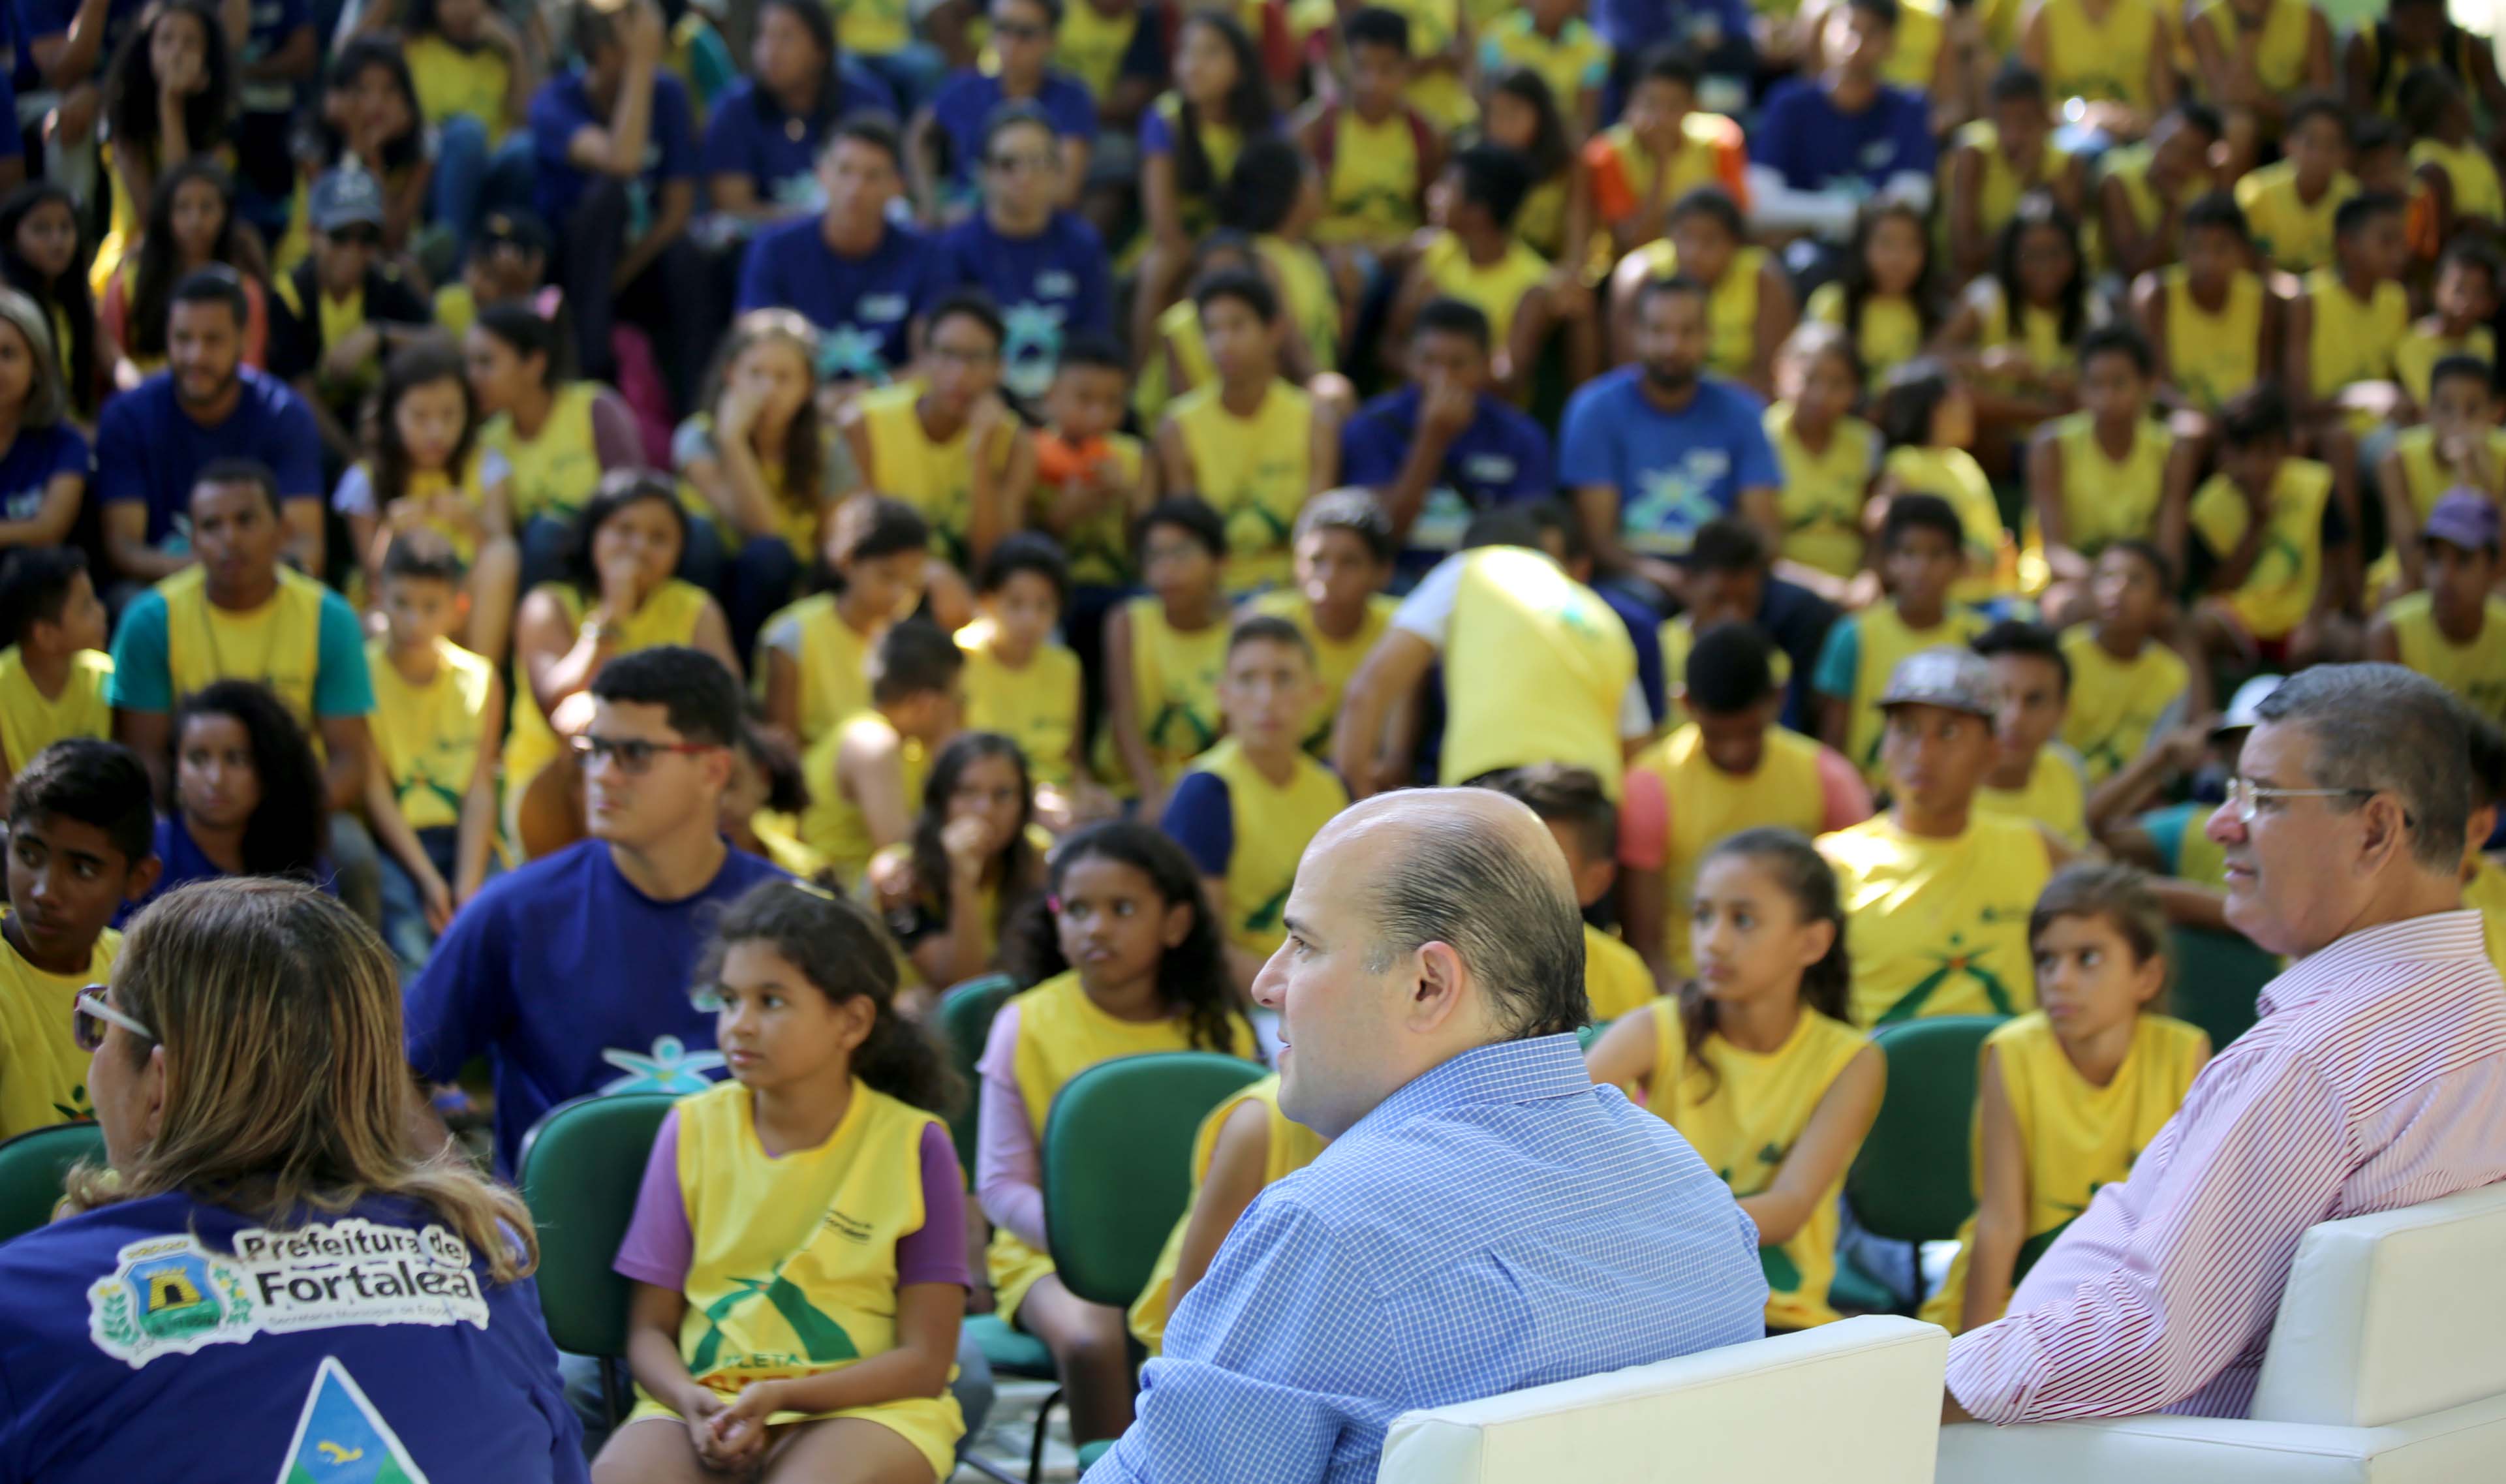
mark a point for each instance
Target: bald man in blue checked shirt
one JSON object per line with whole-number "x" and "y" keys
{"x": 1485, "y": 1219}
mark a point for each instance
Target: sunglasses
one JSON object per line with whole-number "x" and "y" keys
{"x": 632, "y": 754}
{"x": 89, "y": 1015}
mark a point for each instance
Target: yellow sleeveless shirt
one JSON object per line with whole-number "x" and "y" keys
{"x": 1254, "y": 472}
{"x": 556, "y": 472}
{"x": 1939, "y": 927}
{"x": 1035, "y": 705}
{"x": 2212, "y": 357}
{"x": 1335, "y": 659}
{"x": 907, "y": 463}
{"x": 2101, "y": 61}
{"x": 2475, "y": 671}
{"x": 1373, "y": 192}
{"x": 831, "y": 824}
{"x": 833, "y": 666}
{"x": 278, "y": 643}
{"x": 29, "y": 722}
{"x": 1823, "y": 493}
{"x": 1174, "y": 684}
{"x": 2106, "y": 499}
{"x": 1954, "y": 476}
{"x": 1495, "y": 290}
{"x": 2281, "y": 586}
{"x": 428, "y": 738}
{"x": 669, "y": 617}
{"x": 2353, "y": 341}
{"x": 1274, "y": 823}
{"x": 2116, "y": 703}
{"x": 1707, "y": 804}
{"x": 1891, "y": 333}
{"x": 2279, "y": 61}
{"x": 1291, "y": 1147}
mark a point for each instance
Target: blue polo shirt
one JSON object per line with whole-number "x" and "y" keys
{"x": 1674, "y": 471}
{"x": 564, "y": 108}
{"x": 36, "y": 457}
{"x": 862, "y": 305}
{"x": 1502, "y": 457}
{"x": 965, "y": 104}
{"x": 1047, "y": 286}
{"x": 1817, "y": 146}
{"x": 751, "y": 134}
{"x": 149, "y": 450}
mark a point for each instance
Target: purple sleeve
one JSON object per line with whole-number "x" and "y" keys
{"x": 1009, "y": 1167}
{"x": 614, "y": 439}
{"x": 937, "y": 1251}
{"x": 658, "y": 1243}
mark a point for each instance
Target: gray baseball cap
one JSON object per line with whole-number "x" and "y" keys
{"x": 346, "y": 197}
{"x": 1955, "y": 679}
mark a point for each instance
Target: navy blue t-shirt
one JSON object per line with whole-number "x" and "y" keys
{"x": 862, "y": 305}
{"x": 1047, "y": 286}
{"x": 35, "y": 458}
{"x": 965, "y": 103}
{"x": 564, "y": 108}
{"x": 1502, "y": 457}
{"x": 1815, "y": 146}
{"x": 150, "y": 450}
{"x": 369, "y": 1345}
{"x": 572, "y": 982}
{"x": 751, "y": 134}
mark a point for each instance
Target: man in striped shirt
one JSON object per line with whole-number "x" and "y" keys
{"x": 2376, "y": 1077}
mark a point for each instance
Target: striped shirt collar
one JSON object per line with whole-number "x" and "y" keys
{"x": 1507, "y": 1072}
{"x": 2436, "y": 935}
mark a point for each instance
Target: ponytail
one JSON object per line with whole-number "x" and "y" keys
{"x": 1804, "y": 874}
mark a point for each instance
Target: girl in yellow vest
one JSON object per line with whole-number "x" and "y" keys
{"x": 970, "y": 867}
{"x": 559, "y": 437}
{"x": 1245, "y": 1147}
{"x": 1025, "y": 684}
{"x": 429, "y": 473}
{"x": 618, "y": 597}
{"x": 1147, "y": 976}
{"x": 192, "y": 226}
{"x": 1750, "y": 305}
{"x": 2212, "y": 325}
{"x": 2464, "y": 301}
{"x": 1164, "y": 653}
{"x": 1255, "y": 446}
{"x": 798, "y": 1249}
{"x": 1885, "y": 298}
{"x": 179, "y": 54}
{"x": 2107, "y": 473}
{"x": 1995, "y": 161}
{"x": 1829, "y": 457}
{"x": 813, "y": 657}
{"x": 758, "y": 466}
{"x": 1928, "y": 417}
{"x": 1755, "y": 1063}
{"x": 2016, "y": 331}
{"x": 2069, "y": 1094}
{"x": 945, "y": 442}
{"x": 1189, "y": 141}
{"x": 2459, "y": 446}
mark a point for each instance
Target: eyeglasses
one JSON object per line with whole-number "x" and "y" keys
{"x": 2245, "y": 796}
{"x": 632, "y": 754}
{"x": 89, "y": 1015}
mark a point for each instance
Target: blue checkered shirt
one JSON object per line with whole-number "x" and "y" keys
{"x": 1498, "y": 1223}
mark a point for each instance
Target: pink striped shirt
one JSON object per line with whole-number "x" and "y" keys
{"x": 2375, "y": 1078}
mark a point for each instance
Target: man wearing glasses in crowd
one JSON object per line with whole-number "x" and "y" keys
{"x": 2375, "y": 1078}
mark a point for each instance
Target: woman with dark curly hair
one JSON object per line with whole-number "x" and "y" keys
{"x": 247, "y": 791}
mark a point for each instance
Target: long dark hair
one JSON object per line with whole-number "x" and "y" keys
{"x": 1856, "y": 279}
{"x": 1248, "y": 104}
{"x": 68, "y": 293}
{"x": 131, "y": 91}
{"x": 821, "y": 22}
{"x": 284, "y": 835}
{"x": 324, "y": 144}
{"x": 843, "y": 951}
{"x": 803, "y": 446}
{"x": 1014, "y": 864}
{"x": 1550, "y": 151}
{"x": 422, "y": 363}
{"x": 528, "y": 333}
{"x": 618, "y": 489}
{"x": 2038, "y": 209}
{"x": 1192, "y": 976}
{"x": 1804, "y": 876}
{"x": 151, "y": 284}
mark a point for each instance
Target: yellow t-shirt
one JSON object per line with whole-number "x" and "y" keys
{"x": 2476, "y": 671}
{"x": 1954, "y": 476}
{"x": 2279, "y": 588}
{"x": 1291, "y": 1147}
{"x": 46, "y": 1073}
{"x": 1307, "y": 294}
{"x": 278, "y": 643}
{"x": 873, "y": 27}
{"x": 669, "y": 617}
{"x": 1372, "y": 194}
{"x": 451, "y": 82}
{"x": 1891, "y": 333}
{"x": 1743, "y": 1115}
{"x": 1616, "y": 980}
{"x": 1335, "y": 659}
{"x": 1939, "y": 927}
{"x": 29, "y": 722}
{"x": 2003, "y": 183}
{"x": 2354, "y": 341}
{"x": 1495, "y": 290}
{"x": 822, "y": 1225}
{"x": 2107, "y": 499}
{"x": 556, "y": 472}
{"x": 2054, "y": 796}
{"x": 1575, "y": 60}
{"x": 1434, "y": 24}
{"x": 1730, "y": 304}
{"x": 1536, "y": 669}
{"x": 1823, "y": 493}
{"x": 1913, "y": 62}
{"x": 829, "y": 657}
{"x": 1035, "y": 705}
{"x": 832, "y": 825}
{"x": 1174, "y": 684}
{"x": 427, "y": 484}
{"x": 1880, "y": 638}
{"x": 1270, "y": 824}
{"x": 2078, "y": 1136}
{"x": 1256, "y": 472}
{"x": 2128, "y": 166}
{"x": 907, "y": 463}
{"x": 2279, "y": 61}
{"x": 427, "y": 737}
{"x": 2212, "y": 357}
{"x": 1707, "y": 804}
{"x": 2475, "y": 189}
{"x": 2117, "y": 704}
{"x": 2291, "y": 232}
{"x": 2415, "y": 362}
{"x": 1091, "y": 45}
{"x": 1061, "y": 1033}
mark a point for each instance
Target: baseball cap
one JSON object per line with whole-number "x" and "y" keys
{"x": 345, "y": 198}
{"x": 2465, "y": 518}
{"x": 2243, "y": 708}
{"x": 1955, "y": 679}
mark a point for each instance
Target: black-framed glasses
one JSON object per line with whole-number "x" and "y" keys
{"x": 632, "y": 754}
{"x": 90, "y": 1014}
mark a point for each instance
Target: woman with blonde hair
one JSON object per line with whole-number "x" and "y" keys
{"x": 271, "y": 1265}
{"x": 42, "y": 457}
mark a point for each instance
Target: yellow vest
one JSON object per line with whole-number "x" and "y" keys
{"x": 2279, "y": 61}
{"x": 1891, "y": 333}
{"x": 834, "y": 665}
{"x": 2486, "y": 894}
{"x": 426, "y": 484}
{"x": 2054, "y": 796}
{"x": 1730, "y": 304}
{"x": 556, "y": 472}
{"x": 2116, "y": 703}
{"x": 1954, "y": 476}
{"x": 831, "y": 824}
{"x": 2078, "y": 1136}
{"x": 1373, "y": 192}
{"x": 1291, "y": 1147}
{"x": 2108, "y": 499}
{"x": 30, "y": 722}
{"x": 1307, "y": 293}
{"x": 873, "y": 27}
{"x": 2415, "y": 362}
{"x": 2353, "y": 342}
{"x": 2476, "y": 671}
{"x": 427, "y": 738}
{"x": 1616, "y": 980}
{"x": 1061, "y": 1033}
{"x": 1939, "y": 927}
{"x": 905, "y": 463}
{"x": 1091, "y": 45}
{"x": 2291, "y": 234}
{"x": 1255, "y": 471}
{"x": 1881, "y": 638}
{"x": 1743, "y": 1118}
{"x": 1823, "y": 493}
{"x": 1220, "y": 144}
{"x": 1440, "y": 95}
{"x": 1536, "y": 666}
{"x": 1707, "y": 804}
{"x": 669, "y": 617}
{"x": 1997, "y": 193}
{"x": 1099, "y": 548}
{"x": 452, "y": 82}
{"x": 1035, "y": 705}
{"x": 47, "y": 1073}
{"x": 2427, "y": 480}
{"x": 2281, "y": 586}
{"x": 1496, "y": 290}
{"x": 2212, "y": 357}
{"x": 278, "y": 644}
{"x": 1335, "y": 659}
{"x": 1174, "y": 684}
{"x": 1274, "y": 823}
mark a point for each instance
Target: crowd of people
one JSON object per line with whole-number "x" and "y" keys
{"x": 706, "y": 526}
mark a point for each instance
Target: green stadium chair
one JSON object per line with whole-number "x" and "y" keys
{"x": 1117, "y": 1164}
{"x": 581, "y": 1166}
{"x": 2218, "y": 977}
{"x": 1910, "y": 1183}
{"x": 33, "y": 1167}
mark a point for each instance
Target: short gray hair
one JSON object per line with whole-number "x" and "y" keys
{"x": 2383, "y": 727}
{"x": 1460, "y": 879}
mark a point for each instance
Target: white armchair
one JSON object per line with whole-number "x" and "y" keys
{"x": 2387, "y": 1366}
{"x": 1858, "y": 1399}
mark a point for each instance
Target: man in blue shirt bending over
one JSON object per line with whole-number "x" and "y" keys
{"x": 1484, "y": 1220}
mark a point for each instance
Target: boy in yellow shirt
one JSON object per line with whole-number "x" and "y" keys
{"x": 1475, "y": 256}
{"x": 1921, "y": 552}
{"x": 1376, "y": 153}
{"x": 1585, "y": 823}
{"x": 2214, "y": 326}
{"x": 2345, "y": 331}
{"x": 53, "y": 674}
{"x": 2128, "y": 690}
{"x": 2289, "y": 205}
{"x": 813, "y": 658}
{"x": 865, "y": 777}
{"x": 2272, "y": 600}
{"x": 1024, "y": 683}
{"x": 2454, "y": 630}
{"x": 82, "y": 846}
{"x": 2034, "y": 774}
{"x": 1553, "y": 39}
{"x": 2459, "y": 446}
{"x": 1247, "y": 808}
{"x": 1344, "y": 556}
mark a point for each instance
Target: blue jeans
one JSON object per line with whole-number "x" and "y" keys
{"x": 405, "y": 931}
{"x": 471, "y": 179}
{"x": 750, "y": 585}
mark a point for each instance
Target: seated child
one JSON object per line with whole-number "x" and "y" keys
{"x": 2456, "y": 180}
{"x": 1662, "y": 148}
{"x": 2459, "y": 446}
{"x": 2138, "y": 183}
{"x": 2033, "y": 775}
{"x": 1376, "y": 153}
{"x": 53, "y": 674}
{"x": 2344, "y": 328}
{"x": 945, "y": 442}
{"x": 2463, "y": 300}
{"x": 1344, "y": 556}
{"x": 2290, "y": 205}
{"x": 864, "y": 773}
{"x": 1617, "y": 982}
{"x": 1164, "y": 652}
{"x": 1020, "y": 680}
{"x": 1830, "y": 457}
{"x": 1755, "y": 1061}
{"x": 2261, "y": 520}
{"x": 2070, "y": 1094}
{"x": 2109, "y": 472}
{"x": 1919, "y": 556}
{"x": 814, "y": 656}
{"x": 1474, "y": 255}
{"x": 1245, "y": 1147}
{"x": 1092, "y": 482}
{"x": 1885, "y": 298}
{"x": 2214, "y": 326}
{"x": 2128, "y": 690}
{"x": 843, "y": 1361}
{"x": 1994, "y": 161}
{"x": 1749, "y": 304}
{"x": 971, "y": 866}
{"x": 1926, "y": 415}
{"x": 2453, "y": 629}
{"x": 2015, "y": 332}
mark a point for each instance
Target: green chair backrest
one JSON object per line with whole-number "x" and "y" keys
{"x": 33, "y": 1167}
{"x": 1117, "y": 1164}
{"x": 965, "y": 1023}
{"x": 581, "y": 1166}
{"x": 1585, "y": 1036}
{"x": 1910, "y": 1181}
{"x": 2218, "y": 976}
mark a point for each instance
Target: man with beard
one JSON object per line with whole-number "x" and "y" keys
{"x": 1655, "y": 450}
{"x": 208, "y": 405}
